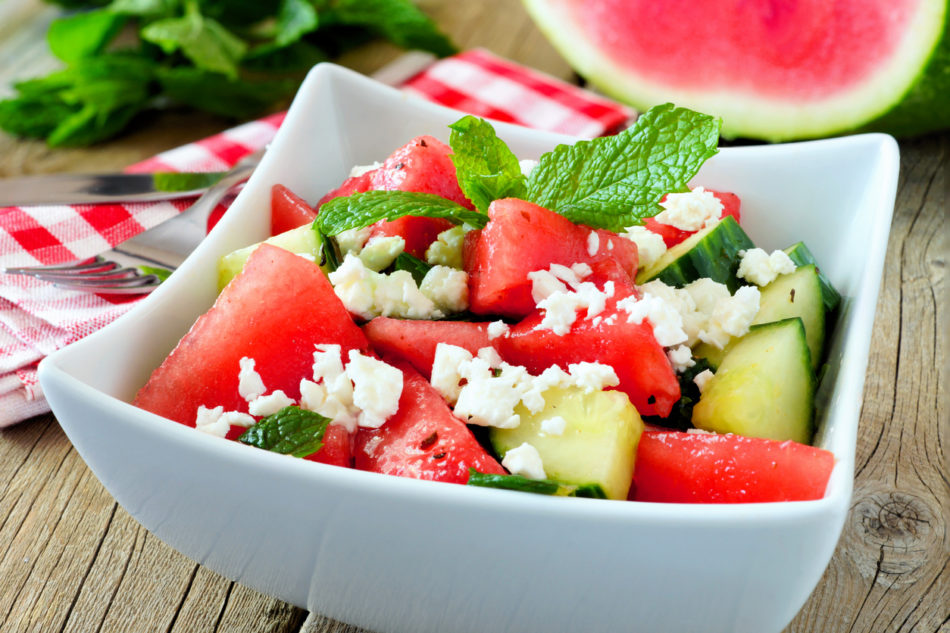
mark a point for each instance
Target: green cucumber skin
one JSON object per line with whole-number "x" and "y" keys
{"x": 802, "y": 256}
{"x": 725, "y": 404}
{"x": 715, "y": 255}
{"x": 797, "y": 294}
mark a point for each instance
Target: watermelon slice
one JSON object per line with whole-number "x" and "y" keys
{"x": 771, "y": 70}
{"x": 274, "y": 311}
{"x": 414, "y": 341}
{"x": 423, "y": 440}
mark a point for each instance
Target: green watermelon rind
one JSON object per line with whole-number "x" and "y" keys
{"x": 911, "y": 98}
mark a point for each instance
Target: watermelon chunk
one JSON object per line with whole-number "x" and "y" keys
{"x": 274, "y": 311}
{"x": 677, "y": 467}
{"x": 336, "y": 448}
{"x": 771, "y": 70}
{"x": 288, "y": 210}
{"x": 423, "y": 439}
{"x": 522, "y": 237}
{"x": 414, "y": 341}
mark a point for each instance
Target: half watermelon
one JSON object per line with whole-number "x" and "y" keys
{"x": 771, "y": 70}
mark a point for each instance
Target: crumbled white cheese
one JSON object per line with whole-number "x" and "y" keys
{"x": 368, "y": 293}
{"x": 527, "y": 166}
{"x": 352, "y": 240}
{"x": 553, "y": 376}
{"x": 681, "y": 357}
{"x": 250, "y": 383}
{"x": 550, "y": 292}
{"x": 544, "y": 284}
{"x": 650, "y": 245}
{"x": 490, "y": 355}
{"x": 731, "y": 317}
{"x": 702, "y": 379}
{"x": 593, "y": 243}
{"x": 381, "y": 250}
{"x": 524, "y": 460}
{"x": 761, "y": 268}
{"x": 270, "y": 404}
{"x": 377, "y": 387}
{"x": 358, "y": 170}
{"x": 593, "y": 376}
{"x": 663, "y": 317}
{"x": 445, "y": 370}
{"x": 487, "y": 399}
{"x": 497, "y": 329}
{"x": 446, "y": 287}
{"x": 690, "y": 211}
{"x": 446, "y": 250}
{"x": 330, "y": 393}
{"x": 553, "y": 425}
{"x": 210, "y": 421}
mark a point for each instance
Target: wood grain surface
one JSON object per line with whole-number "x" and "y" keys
{"x": 71, "y": 560}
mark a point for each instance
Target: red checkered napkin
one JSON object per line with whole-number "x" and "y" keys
{"x": 37, "y": 318}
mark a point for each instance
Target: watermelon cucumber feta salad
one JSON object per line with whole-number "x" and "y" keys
{"x": 580, "y": 325}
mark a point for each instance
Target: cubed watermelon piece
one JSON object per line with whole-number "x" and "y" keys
{"x": 336, "y": 448}
{"x": 639, "y": 361}
{"x": 673, "y": 236}
{"x": 414, "y": 341}
{"x": 353, "y": 184}
{"x": 288, "y": 210}
{"x": 418, "y": 232}
{"x": 678, "y": 467}
{"x": 522, "y": 237}
{"x": 274, "y": 311}
{"x": 423, "y": 439}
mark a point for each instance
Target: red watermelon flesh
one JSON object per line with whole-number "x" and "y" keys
{"x": 336, "y": 448}
{"x": 804, "y": 50}
{"x": 353, "y": 184}
{"x": 639, "y": 361}
{"x": 522, "y": 237}
{"x": 673, "y": 236}
{"x": 415, "y": 341}
{"x": 423, "y": 439}
{"x": 274, "y": 311}
{"x": 288, "y": 210}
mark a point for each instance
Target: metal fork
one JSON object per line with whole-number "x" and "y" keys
{"x": 138, "y": 265}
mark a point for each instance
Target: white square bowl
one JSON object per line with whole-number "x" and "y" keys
{"x": 394, "y": 554}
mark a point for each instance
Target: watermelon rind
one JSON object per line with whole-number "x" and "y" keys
{"x": 909, "y": 94}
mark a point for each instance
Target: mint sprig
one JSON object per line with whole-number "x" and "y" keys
{"x": 290, "y": 431}
{"x": 613, "y": 182}
{"x": 363, "y": 209}
{"x": 487, "y": 169}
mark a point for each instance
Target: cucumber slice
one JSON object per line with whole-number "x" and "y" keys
{"x": 301, "y": 240}
{"x": 765, "y": 386}
{"x": 797, "y": 294}
{"x": 800, "y": 254}
{"x": 598, "y": 445}
{"x": 712, "y": 252}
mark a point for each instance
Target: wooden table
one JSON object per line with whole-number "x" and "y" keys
{"x": 72, "y": 560}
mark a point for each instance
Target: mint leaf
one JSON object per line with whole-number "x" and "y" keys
{"x": 218, "y": 94}
{"x": 363, "y": 209}
{"x": 295, "y": 19}
{"x": 203, "y": 40}
{"x": 145, "y": 8}
{"x": 399, "y": 21}
{"x": 535, "y": 486}
{"x": 487, "y": 170}
{"x": 613, "y": 182}
{"x": 290, "y": 431}
{"x": 413, "y": 265}
{"x": 84, "y": 34}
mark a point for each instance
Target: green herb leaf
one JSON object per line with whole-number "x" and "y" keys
{"x": 84, "y": 34}
{"x": 363, "y": 209}
{"x": 146, "y": 8}
{"x": 161, "y": 273}
{"x": 290, "y": 431}
{"x": 487, "y": 170}
{"x": 295, "y": 19}
{"x": 215, "y": 93}
{"x": 399, "y": 21}
{"x": 205, "y": 41}
{"x": 535, "y": 486}
{"x": 413, "y": 265}
{"x": 613, "y": 182}
{"x": 329, "y": 256}
{"x": 184, "y": 181}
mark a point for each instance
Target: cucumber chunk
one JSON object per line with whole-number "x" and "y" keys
{"x": 797, "y": 294}
{"x": 598, "y": 445}
{"x": 301, "y": 240}
{"x": 800, "y": 254}
{"x": 765, "y": 386}
{"x": 712, "y": 252}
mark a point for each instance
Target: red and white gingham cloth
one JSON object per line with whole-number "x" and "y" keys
{"x": 37, "y": 318}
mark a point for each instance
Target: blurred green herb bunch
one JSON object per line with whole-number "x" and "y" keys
{"x": 228, "y": 57}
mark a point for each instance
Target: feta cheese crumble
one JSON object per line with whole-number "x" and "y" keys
{"x": 524, "y": 460}
{"x": 263, "y": 406}
{"x": 446, "y": 287}
{"x": 761, "y": 268}
{"x": 681, "y": 358}
{"x": 497, "y": 329}
{"x": 702, "y": 379}
{"x": 381, "y": 250}
{"x": 446, "y": 250}
{"x": 527, "y": 166}
{"x": 663, "y": 316}
{"x": 216, "y": 421}
{"x": 690, "y": 211}
{"x": 554, "y": 425}
{"x": 650, "y": 245}
{"x": 377, "y": 387}
{"x": 593, "y": 243}
{"x": 358, "y": 170}
{"x": 560, "y": 293}
{"x": 250, "y": 383}
{"x": 367, "y": 293}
